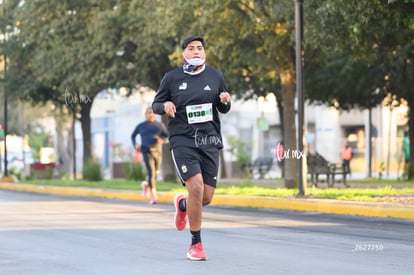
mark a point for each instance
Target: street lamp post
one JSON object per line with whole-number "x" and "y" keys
{"x": 299, "y": 91}
{"x": 6, "y": 172}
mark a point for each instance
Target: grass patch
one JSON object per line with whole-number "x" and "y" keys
{"x": 244, "y": 189}
{"x": 380, "y": 181}
{"x": 254, "y": 190}
{"x": 116, "y": 184}
{"x": 359, "y": 194}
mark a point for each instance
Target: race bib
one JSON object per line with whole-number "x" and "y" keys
{"x": 199, "y": 113}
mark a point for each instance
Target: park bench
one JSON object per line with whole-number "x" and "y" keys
{"x": 318, "y": 165}
{"x": 261, "y": 166}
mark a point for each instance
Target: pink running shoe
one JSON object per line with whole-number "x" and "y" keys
{"x": 196, "y": 252}
{"x": 145, "y": 189}
{"x": 180, "y": 217}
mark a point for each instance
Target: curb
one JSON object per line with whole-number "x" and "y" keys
{"x": 368, "y": 209}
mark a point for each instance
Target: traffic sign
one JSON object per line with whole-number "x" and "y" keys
{"x": 262, "y": 124}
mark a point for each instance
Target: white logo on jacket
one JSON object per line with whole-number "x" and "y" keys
{"x": 183, "y": 86}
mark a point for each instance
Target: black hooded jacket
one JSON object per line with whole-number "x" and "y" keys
{"x": 196, "y": 98}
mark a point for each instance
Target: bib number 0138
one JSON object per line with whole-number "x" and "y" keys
{"x": 199, "y": 113}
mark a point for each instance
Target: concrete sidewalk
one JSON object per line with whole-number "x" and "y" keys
{"x": 369, "y": 209}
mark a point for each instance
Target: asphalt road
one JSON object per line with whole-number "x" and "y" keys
{"x": 52, "y": 234}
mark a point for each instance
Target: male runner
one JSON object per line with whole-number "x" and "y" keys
{"x": 153, "y": 134}
{"x": 192, "y": 96}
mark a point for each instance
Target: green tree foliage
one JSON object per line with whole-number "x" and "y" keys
{"x": 71, "y": 50}
{"x": 75, "y": 51}
{"x": 365, "y": 52}
{"x": 153, "y": 36}
{"x": 342, "y": 81}
{"x": 252, "y": 43}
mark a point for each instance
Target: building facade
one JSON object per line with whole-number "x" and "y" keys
{"x": 257, "y": 124}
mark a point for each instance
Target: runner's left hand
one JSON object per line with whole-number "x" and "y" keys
{"x": 225, "y": 97}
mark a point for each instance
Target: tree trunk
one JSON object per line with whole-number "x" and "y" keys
{"x": 279, "y": 102}
{"x": 289, "y": 129}
{"x": 86, "y": 130}
{"x": 411, "y": 136}
{"x": 64, "y": 145}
